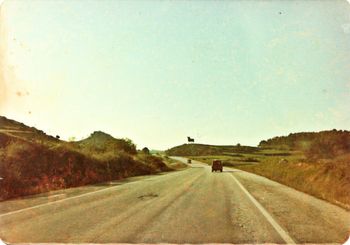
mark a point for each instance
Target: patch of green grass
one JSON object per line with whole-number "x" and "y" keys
{"x": 231, "y": 161}
{"x": 173, "y": 164}
{"x": 328, "y": 180}
{"x": 325, "y": 179}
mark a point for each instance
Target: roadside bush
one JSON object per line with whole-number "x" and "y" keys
{"x": 329, "y": 146}
{"x": 27, "y": 167}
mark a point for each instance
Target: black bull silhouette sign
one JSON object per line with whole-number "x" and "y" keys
{"x": 189, "y": 139}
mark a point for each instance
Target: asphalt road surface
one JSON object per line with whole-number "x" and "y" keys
{"x": 188, "y": 206}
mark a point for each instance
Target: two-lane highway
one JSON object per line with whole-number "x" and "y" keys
{"x": 188, "y": 206}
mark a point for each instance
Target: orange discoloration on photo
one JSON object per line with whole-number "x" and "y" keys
{"x": 2, "y": 58}
{"x": 8, "y": 78}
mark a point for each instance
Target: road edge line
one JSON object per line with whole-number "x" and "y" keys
{"x": 284, "y": 235}
{"x": 62, "y": 200}
{"x": 53, "y": 202}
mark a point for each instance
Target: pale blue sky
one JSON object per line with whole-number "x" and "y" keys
{"x": 222, "y": 72}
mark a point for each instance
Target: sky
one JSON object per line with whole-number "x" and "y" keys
{"x": 222, "y": 72}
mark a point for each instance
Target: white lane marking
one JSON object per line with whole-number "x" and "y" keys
{"x": 57, "y": 195}
{"x": 269, "y": 218}
{"x": 49, "y": 203}
{"x": 69, "y": 198}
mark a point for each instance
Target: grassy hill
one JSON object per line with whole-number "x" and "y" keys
{"x": 20, "y": 130}
{"x": 99, "y": 142}
{"x": 317, "y": 163}
{"x": 317, "y": 145}
{"x": 207, "y": 150}
{"x": 33, "y": 162}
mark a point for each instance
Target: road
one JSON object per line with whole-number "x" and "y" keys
{"x": 186, "y": 206}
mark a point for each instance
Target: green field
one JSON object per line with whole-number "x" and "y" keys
{"x": 325, "y": 179}
{"x": 253, "y": 159}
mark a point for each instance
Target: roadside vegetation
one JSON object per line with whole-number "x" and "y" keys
{"x": 315, "y": 163}
{"x": 174, "y": 164}
{"x": 208, "y": 150}
{"x": 32, "y": 162}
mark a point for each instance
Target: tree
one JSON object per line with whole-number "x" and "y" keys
{"x": 129, "y": 146}
{"x": 146, "y": 150}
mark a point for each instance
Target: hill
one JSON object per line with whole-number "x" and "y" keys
{"x": 207, "y": 150}
{"x": 20, "y": 130}
{"x": 316, "y": 145}
{"x": 100, "y": 142}
{"x": 317, "y": 163}
{"x": 33, "y": 162}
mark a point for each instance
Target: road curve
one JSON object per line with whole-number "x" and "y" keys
{"x": 187, "y": 206}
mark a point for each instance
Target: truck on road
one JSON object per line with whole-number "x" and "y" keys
{"x": 216, "y": 166}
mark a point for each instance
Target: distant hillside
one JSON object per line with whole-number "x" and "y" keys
{"x": 315, "y": 145}
{"x": 324, "y": 144}
{"x": 206, "y": 150}
{"x": 17, "y": 129}
{"x": 317, "y": 163}
{"x": 99, "y": 142}
{"x": 33, "y": 162}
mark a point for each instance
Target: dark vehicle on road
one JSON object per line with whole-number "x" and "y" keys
{"x": 189, "y": 161}
{"x": 216, "y": 166}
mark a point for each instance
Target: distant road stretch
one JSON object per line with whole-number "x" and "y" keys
{"x": 188, "y": 206}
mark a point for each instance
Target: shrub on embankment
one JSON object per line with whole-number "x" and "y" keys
{"x": 325, "y": 179}
{"x": 30, "y": 166}
{"x": 317, "y": 163}
{"x": 324, "y": 170}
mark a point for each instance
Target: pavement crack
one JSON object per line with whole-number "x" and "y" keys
{"x": 147, "y": 196}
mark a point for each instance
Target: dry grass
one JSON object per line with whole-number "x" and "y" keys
{"x": 329, "y": 179}
{"x": 325, "y": 179}
{"x": 30, "y": 165}
{"x": 173, "y": 164}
